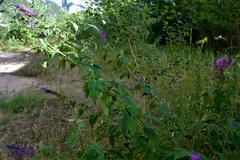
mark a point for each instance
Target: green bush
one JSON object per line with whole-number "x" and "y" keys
{"x": 22, "y": 27}
{"x": 122, "y": 19}
{"x": 147, "y": 102}
{"x": 168, "y": 21}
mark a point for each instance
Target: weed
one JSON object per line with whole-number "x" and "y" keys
{"x": 22, "y": 101}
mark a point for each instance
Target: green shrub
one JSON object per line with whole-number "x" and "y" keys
{"x": 122, "y": 19}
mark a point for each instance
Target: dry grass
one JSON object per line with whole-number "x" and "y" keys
{"x": 47, "y": 125}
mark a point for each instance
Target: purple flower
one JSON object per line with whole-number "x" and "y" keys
{"x": 31, "y": 26}
{"x": 223, "y": 63}
{"x": 103, "y": 35}
{"x": 48, "y": 91}
{"x": 139, "y": 78}
{"x": 19, "y": 152}
{"x": 195, "y": 156}
{"x": 45, "y": 90}
{"x": 26, "y": 10}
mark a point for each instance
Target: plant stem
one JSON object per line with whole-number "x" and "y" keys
{"x": 134, "y": 58}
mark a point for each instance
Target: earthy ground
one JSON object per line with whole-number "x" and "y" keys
{"x": 10, "y": 63}
{"x": 11, "y": 84}
{"x": 47, "y": 123}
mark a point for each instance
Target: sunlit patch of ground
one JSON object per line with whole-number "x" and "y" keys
{"x": 9, "y": 68}
{"x": 11, "y": 84}
{"x": 9, "y": 63}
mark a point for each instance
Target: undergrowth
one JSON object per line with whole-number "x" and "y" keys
{"x": 23, "y": 101}
{"x": 141, "y": 101}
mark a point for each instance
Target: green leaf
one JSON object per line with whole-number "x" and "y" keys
{"x": 44, "y": 43}
{"x": 148, "y": 89}
{"x": 232, "y": 123}
{"x": 76, "y": 46}
{"x": 107, "y": 103}
{"x": 73, "y": 138}
{"x": 72, "y": 103}
{"x": 94, "y": 89}
{"x": 92, "y": 119}
{"x": 149, "y": 132}
{"x": 128, "y": 125}
{"x": 132, "y": 126}
{"x": 125, "y": 61}
{"x": 164, "y": 109}
{"x": 94, "y": 151}
{"x": 48, "y": 150}
{"x": 45, "y": 64}
{"x": 182, "y": 153}
{"x": 97, "y": 70}
{"x": 207, "y": 117}
{"x": 156, "y": 119}
{"x": 51, "y": 54}
{"x": 75, "y": 27}
{"x": 73, "y": 57}
{"x": 123, "y": 75}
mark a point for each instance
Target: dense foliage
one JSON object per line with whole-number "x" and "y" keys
{"x": 147, "y": 102}
{"x": 168, "y": 21}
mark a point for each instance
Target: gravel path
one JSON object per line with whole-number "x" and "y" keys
{"x": 11, "y": 84}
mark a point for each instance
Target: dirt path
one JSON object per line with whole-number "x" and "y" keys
{"x": 11, "y": 84}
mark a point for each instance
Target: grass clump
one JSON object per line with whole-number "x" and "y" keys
{"x": 22, "y": 101}
{"x": 11, "y": 45}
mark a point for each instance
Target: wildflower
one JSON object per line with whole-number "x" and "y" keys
{"x": 223, "y": 63}
{"x": 48, "y": 91}
{"x": 26, "y": 10}
{"x": 139, "y": 78}
{"x": 45, "y": 90}
{"x": 195, "y": 156}
{"x": 31, "y": 26}
{"x": 19, "y": 152}
{"x": 103, "y": 35}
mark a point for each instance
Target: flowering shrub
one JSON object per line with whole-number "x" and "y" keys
{"x": 123, "y": 19}
{"x": 101, "y": 33}
{"x": 25, "y": 23}
{"x": 150, "y": 127}
{"x": 132, "y": 120}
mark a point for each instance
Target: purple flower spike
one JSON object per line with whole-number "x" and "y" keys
{"x": 223, "y": 63}
{"x": 195, "y": 156}
{"x": 45, "y": 90}
{"x": 19, "y": 152}
{"x": 139, "y": 78}
{"x": 103, "y": 35}
{"x": 26, "y": 10}
{"x": 48, "y": 91}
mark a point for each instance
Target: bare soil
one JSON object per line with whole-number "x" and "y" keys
{"x": 11, "y": 84}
